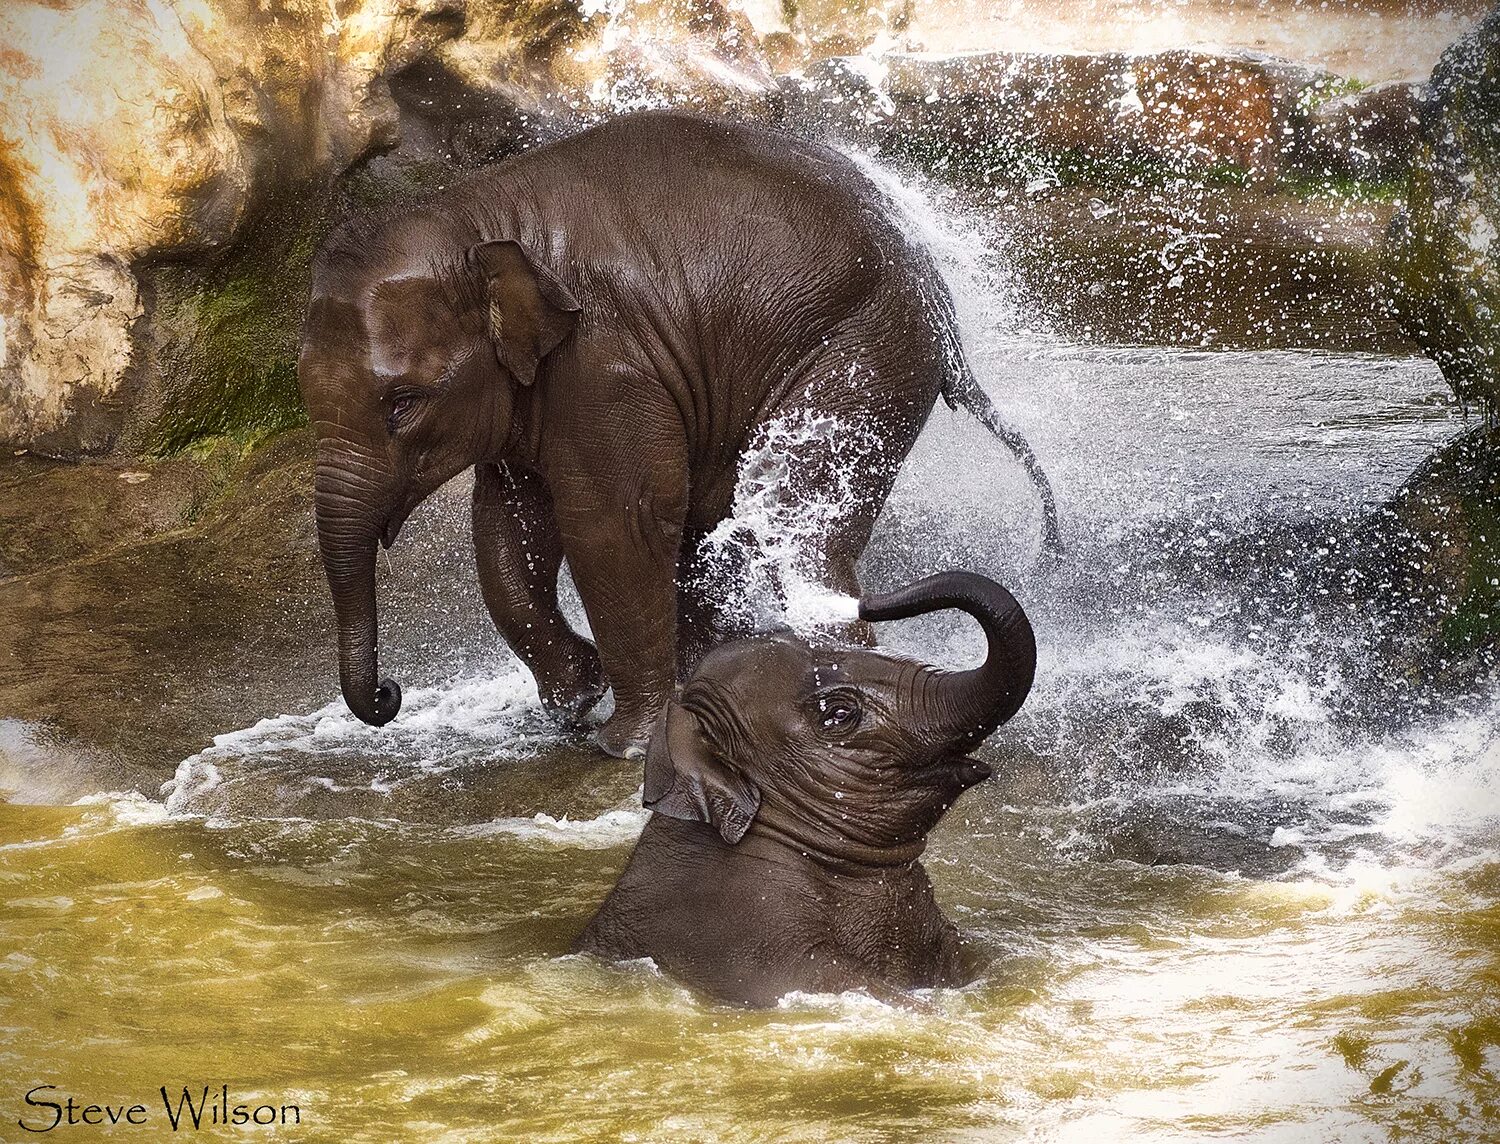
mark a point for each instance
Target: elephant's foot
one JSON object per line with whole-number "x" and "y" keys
{"x": 626, "y": 733}
{"x": 570, "y": 691}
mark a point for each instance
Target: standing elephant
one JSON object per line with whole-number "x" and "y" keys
{"x": 792, "y": 788}
{"x": 601, "y": 327}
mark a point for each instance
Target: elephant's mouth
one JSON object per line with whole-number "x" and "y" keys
{"x": 392, "y": 527}
{"x": 957, "y": 768}
{"x": 973, "y": 769}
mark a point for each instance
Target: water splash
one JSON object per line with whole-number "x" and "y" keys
{"x": 617, "y": 826}
{"x": 972, "y": 258}
{"x": 763, "y": 564}
{"x": 1159, "y": 705}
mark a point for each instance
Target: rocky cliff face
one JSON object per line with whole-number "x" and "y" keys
{"x": 141, "y": 139}
{"x": 134, "y": 131}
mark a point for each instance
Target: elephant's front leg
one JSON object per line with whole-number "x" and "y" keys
{"x": 518, "y": 550}
{"x": 622, "y": 550}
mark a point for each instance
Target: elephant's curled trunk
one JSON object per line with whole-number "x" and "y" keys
{"x": 971, "y": 703}
{"x": 347, "y": 545}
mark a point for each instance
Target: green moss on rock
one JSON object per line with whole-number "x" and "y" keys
{"x": 224, "y": 337}
{"x": 220, "y": 342}
{"x": 1000, "y": 159}
{"x": 1446, "y": 252}
{"x": 1344, "y": 187}
{"x": 1475, "y": 622}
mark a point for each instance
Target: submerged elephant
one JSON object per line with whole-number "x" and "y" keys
{"x": 792, "y": 788}
{"x": 602, "y": 327}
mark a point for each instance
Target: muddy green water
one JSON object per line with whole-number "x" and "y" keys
{"x": 401, "y": 983}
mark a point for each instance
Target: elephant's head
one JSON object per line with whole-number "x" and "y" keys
{"x": 851, "y": 755}
{"x": 415, "y": 347}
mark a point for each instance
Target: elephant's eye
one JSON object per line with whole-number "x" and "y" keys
{"x": 838, "y": 713}
{"x": 399, "y": 407}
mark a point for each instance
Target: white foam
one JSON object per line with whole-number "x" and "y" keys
{"x": 614, "y": 827}
{"x": 128, "y": 808}
{"x": 463, "y": 721}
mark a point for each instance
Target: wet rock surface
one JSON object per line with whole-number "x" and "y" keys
{"x": 1177, "y": 263}
{"x": 1010, "y": 114}
{"x": 1366, "y": 135}
{"x": 1183, "y": 198}
{"x": 134, "y": 621}
{"x": 1447, "y": 244}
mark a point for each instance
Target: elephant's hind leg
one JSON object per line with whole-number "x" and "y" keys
{"x": 703, "y": 623}
{"x": 519, "y": 552}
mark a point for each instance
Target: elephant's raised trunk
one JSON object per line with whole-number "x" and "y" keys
{"x": 970, "y": 704}
{"x": 347, "y": 542}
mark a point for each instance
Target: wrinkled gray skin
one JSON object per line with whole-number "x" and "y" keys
{"x": 792, "y": 788}
{"x": 602, "y": 327}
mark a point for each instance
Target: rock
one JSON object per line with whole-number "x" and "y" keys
{"x": 142, "y": 623}
{"x": 53, "y": 513}
{"x": 159, "y": 140}
{"x": 1443, "y": 530}
{"x": 1446, "y": 248}
{"x": 182, "y": 121}
{"x": 1361, "y": 135}
{"x": 1196, "y": 265}
{"x": 161, "y": 192}
{"x": 1100, "y": 117}
{"x": 1089, "y": 113}
{"x": 1375, "y": 40}
{"x": 840, "y": 98}
{"x": 784, "y": 52}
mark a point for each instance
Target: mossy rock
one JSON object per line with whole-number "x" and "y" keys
{"x": 1447, "y": 536}
{"x": 987, "y": 159}
{"x": 1465, "y": 479}
{"x": 222, "y": 346}
{"x": 1446, "y": 249}
{"x": 219, "y": 345}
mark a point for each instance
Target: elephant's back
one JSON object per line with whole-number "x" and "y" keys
{"x": 756, "y": 269}
{"x": 681, "y": 154}
{"x": 727, "y": 202}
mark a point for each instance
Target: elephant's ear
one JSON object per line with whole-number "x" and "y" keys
{"x": 529, "y": 310}
{"x": 686, "y": 778}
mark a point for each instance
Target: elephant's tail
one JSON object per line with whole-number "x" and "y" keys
{"x": 963, "y": 390}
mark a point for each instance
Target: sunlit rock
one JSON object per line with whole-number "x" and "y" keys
{"x": 1447, "y": 251}
{"x": 108, "y": 154}
{"x": 685, "y": 53}
{"x": 136, "y": 134}
{"x": 130, "y": 132}
{"x": 1372, "y": 42}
